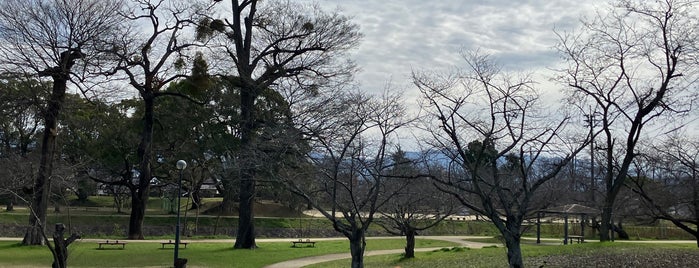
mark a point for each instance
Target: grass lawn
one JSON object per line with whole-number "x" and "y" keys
{"x": 150, "y": 254}
{"x": 597, "y": 254}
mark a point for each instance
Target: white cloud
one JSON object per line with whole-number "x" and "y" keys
{"x": 401, "y": 35}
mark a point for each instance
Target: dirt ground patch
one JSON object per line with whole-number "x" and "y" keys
{"x": 640, "y": 258}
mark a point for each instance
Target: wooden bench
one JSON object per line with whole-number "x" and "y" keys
{"x": 169, "y": 242}
{"x": 307, "y": 242}
{"x": 111, "y": 243}
{"x": 579, "y": 238}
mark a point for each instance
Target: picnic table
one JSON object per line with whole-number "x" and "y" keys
{"x": 169, "y": 242}
{"x": 301, "y": 241}
{"x": 111, "y": 243}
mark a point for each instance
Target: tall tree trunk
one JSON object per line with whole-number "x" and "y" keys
{"x": 514, "y": 251}
{"x": 246, "y": 228}
{"x": 357, "y": 247}
{"x": 511, "y": 233}
{"x": 138, "y": 211}
{"x": 42, "y": 185}
{"x": 606, "y": 218}
{"x": 139, "y": 198}
{"x": 410, "y": 243}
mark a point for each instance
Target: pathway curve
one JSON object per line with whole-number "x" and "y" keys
{"x": 301, "y": 262}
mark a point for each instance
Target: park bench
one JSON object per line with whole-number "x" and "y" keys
{"x": 169, "y": 242}
{"x": 578, "y": 238}
{"x": 301, "y": 241}
{"x": 111, "y": 243}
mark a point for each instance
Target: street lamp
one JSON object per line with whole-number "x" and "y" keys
{"x": 181, "y": 165}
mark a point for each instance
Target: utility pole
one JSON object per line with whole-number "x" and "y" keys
{"x": 590, "y": 122}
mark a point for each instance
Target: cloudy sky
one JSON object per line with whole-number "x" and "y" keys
{"x": 401, "y": 35}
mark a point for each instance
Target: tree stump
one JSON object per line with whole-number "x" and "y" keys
{"x": 181, "y": 263}
{"x": 61, "y": 246}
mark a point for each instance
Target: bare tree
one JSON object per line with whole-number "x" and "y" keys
{"x": 417, "y": 204}
{"x": 56, "y": 40}
{"x": 497, "y": 145}
{"x": 350, "y": 136}
{"x": 272, "y": 43}
{"x": 667, "y": 179}
{"x": 634, "y": 65}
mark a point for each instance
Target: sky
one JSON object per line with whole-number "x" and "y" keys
{"x": 405, "y": 35}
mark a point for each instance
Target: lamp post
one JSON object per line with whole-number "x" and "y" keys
{"x": 181, "y": 165}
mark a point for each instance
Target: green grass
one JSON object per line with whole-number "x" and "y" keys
{"x": 149, "y": 254}
{"x": 92, "y": 201}
{"x": 145, "y": 254}
{"x": 496, "y": 257}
